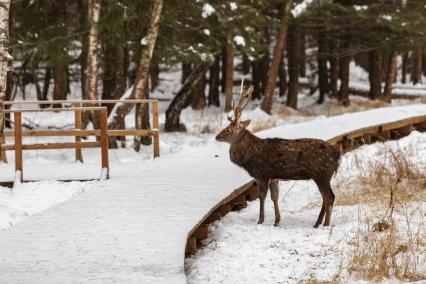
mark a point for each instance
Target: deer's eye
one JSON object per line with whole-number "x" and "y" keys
{"x": 228, "y": 131}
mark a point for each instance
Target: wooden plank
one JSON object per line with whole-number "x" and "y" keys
{"x": 59, "y": 133}
{"x": 223, "y": 209}
{"x": 104, "y": 141}
{"x": 202, "y": 232}
{"x": 212, "y": 218}
{"x": 252, "y": 194}
{"x": 406, "y": 130}
{"x": 18, "y": 144}
{"x": 156, "y": 144}
{"x": 191, "y": 246}
{"x": 55, "y": 146}
{"x": 3, "y": 156}
{"x": 77, "y": 132}
{"x": 132, "y": 132}
{"x": 239, "y": 203}
{"x": 54, "y": 109}
{"x": 79, "y": 101}
{"x": 78, "y": 125}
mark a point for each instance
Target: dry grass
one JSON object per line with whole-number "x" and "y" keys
{"x": 376, "y": 176}
{"x": 389, "y": 184}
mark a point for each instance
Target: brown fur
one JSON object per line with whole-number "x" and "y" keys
{"x": 272, "y": 159}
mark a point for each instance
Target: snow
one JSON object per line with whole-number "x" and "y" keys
{"x": 233, "y": 6}
{"x": 301, "y": 8}
{"x": 206, "y": 32}
{"x": 133, "y": 227}
{"x": 240, "y": 251}
{"x": 208, "y": 10}
{"x": 144, "y": 41}
{"x": 239, "y": 40}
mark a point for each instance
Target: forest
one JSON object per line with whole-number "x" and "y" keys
{"x": 110, "y": 46}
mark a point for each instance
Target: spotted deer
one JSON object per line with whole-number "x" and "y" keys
{"x": 272, "y": 159}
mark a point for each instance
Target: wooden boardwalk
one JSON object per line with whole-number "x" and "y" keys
{"x": 134, "y": 228}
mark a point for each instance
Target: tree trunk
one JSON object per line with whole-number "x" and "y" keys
{"x": 256, "y": 78}
{"x": 229, "y": 72}
{"x": 92, "y": 64}
{"x": 46, "y": 83}
{"x": 141, "y": 82}
{"x": 154, "y": 74}
{"x": 375, "y": 74}
{"x": 60, "y": 82}
{"x": 114, "y": 79}
{"x": 5, "y": 57}
{"x": 416, "y": 75}
{"x": 390, "y": 76}
{"x": 302, "y": 54}
{"x": 214, "y": 83}
{"x": 334, "y": 68}
{"x": 199, "y": 94}
{"x": 282, "y": 79}
{"x": 322, "y": 67}
{"x": 223, "y": 67}
{"x": 278, "y": 52}
{"x": 186, "y": 70}
{"x": 404, "y": 67}
{"x": 344, "y": 64}
{"x": 293, "y": 66}
{"x": 246, "y": 65}
{"x": 182, "y": 99}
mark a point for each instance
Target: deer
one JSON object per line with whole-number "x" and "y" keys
{"x": 273, "y": 159}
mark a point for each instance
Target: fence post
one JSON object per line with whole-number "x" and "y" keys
{"x": 78, "y": 125}
{"x": 18, "y": 144}
{"x": 155, "y": 126}
{"x": 104, "y": 142}
{"x": 3, "y": 156}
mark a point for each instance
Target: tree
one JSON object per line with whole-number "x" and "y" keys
{"x": 390, "y": 76}
{"x": 140, "y": 90}
{"x": 92, "y": 64}
{"x": 278, "y": 53}
{"x": 5, "y": 57}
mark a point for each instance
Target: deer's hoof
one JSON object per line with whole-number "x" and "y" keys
{"x": 316, "y": 225}
{"x": 260, "y": 221}
{"x": 276, "y": 224}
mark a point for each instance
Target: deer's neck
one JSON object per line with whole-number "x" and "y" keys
{"x": 242, "y": 149}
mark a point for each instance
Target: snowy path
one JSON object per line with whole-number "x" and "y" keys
{"x": 133, "y": 227}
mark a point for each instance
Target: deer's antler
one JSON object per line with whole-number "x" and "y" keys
{"x": 242, "y": 102}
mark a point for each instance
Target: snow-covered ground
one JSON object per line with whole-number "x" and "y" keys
{"x": 133, "y": 227}
{"x": 141, "y": 216}
{"x": 240, "y": 251}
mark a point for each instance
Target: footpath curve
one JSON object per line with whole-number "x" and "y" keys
{"x": 135, "y": 227}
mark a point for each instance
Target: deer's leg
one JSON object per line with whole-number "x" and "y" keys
{"x": 263, "y": 191}
{"x": 273, "y": 186}
{"x": 329, "y": 201}
{"x": 323, "y": 207}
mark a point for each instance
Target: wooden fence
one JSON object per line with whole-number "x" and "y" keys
{"x": 103, "y": 133}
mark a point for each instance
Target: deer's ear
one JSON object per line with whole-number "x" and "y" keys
{"x": 245, "y": 123}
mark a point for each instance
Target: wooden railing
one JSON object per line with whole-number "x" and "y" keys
{"x": 17, "y": 133}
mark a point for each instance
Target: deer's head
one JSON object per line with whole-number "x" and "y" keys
{"x": 231, "y": 133}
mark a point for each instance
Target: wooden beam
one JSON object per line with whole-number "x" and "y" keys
{"x": 212, "y": 218}
{"x": 78, "y": 125}
{"x": 202, "y": 232}
{"x": 223, "y": 209}
{"x": 156, "y": 126}
{"x": 18, "y": 144}
{"x": 191, "y": 246}
{"x": 104, "y": 141}
{"x": 239, "y": 203}
{"x": 54, "y": 109}
{"x": 54, "y": 146}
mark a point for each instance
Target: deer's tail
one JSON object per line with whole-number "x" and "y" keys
{"x": 338, "y": 158}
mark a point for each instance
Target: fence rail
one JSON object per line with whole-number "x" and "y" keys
{"x": 78, "y": 108}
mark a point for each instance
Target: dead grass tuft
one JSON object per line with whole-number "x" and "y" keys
{"x": 374, "y": 178}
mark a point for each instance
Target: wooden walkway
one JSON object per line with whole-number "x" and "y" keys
{"x": 134, "y": 227}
